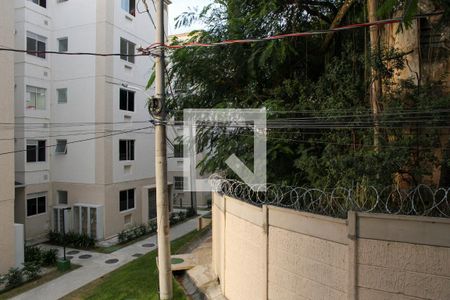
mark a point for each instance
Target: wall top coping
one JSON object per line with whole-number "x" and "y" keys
{"x": 307, "y": 214}
{"x": 403, "y": 217}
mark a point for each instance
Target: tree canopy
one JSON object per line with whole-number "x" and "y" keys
{"x": 316, "y": 89}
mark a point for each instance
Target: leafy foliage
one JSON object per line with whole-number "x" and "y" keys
{"x": 294, "y": 75}
{"x": 71, "y": 239}
{"x": 33, "y": 254}
{"x": 31, "y": 270}
{"x": 49, "y": 257}
{"x": 14, "y": 278}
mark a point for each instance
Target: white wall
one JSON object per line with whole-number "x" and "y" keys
{"x": 140, "y": 31}
{"x": 7, "y": 232}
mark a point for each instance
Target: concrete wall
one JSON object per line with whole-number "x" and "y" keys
{"x": 7, "y": 231}
{"x": 277, "y": 253}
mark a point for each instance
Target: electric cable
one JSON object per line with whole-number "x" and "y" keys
{"x": 79, "y": 141}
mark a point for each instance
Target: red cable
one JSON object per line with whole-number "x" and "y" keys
{"x": 276, "y": 37}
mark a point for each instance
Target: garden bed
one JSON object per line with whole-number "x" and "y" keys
{"x": 39, "y": 268}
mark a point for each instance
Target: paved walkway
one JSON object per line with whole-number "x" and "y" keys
{"x": 94, "y": 265}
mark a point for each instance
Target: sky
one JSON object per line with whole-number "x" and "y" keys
{"x": 179, "y": 6}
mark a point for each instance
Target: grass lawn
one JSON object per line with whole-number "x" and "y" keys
{"x": 135, "y": 280}
{"x": 35, "y": 283}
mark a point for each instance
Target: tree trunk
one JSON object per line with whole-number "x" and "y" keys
{"x": 375, "y": 86}
{"x": 337, "y": 21}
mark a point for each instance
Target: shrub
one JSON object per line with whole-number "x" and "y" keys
{"x": 181, "y": 216}
{"x": 14, "y": 278}
{"x": 173, "y": 219}
{"x": 31, "y": 270}
{"x": 33, "y": 254}
{"x": 135, "y": 232}
{"x": 122, "y": 237}
{"x": 190, "y": 212}
{"x": 152, "y": 226}
{"x": 72, "y": 239}
{"x": 143, "y": 230}
{"x": 49, "y": 257}
{"x": 83, "y": 241}
{"x": 55, "y": 238}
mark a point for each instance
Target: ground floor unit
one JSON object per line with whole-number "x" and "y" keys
{"x": 100, "y": 211}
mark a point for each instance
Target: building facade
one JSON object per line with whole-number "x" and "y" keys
{"x": 7, "y": 231}
{"x": 82, "y": 121}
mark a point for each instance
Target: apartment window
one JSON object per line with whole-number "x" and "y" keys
{"x": 63, "y": 44}
{"x": 126, "y": 150}
{"x": 126, "y": 100}
{"x": 35, "y": 98}
{"x": 126, "y": 200}
{"x": 129, "y": 6}
{"x": 62, "y": 197}
{"x": 42, "y": 3}
{"x": 61, "y": 147}
{"x": 179, "y": 183}
{"x": 36, "y": 151}
{"x": 36, "y": 44}
{"x": 62, "y": 96}
{"x": 178, "y": 150}
{"x": 127, "y": 48}
{"x": 36, "y": 205}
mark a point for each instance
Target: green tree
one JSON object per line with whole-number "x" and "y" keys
{"x": 300, "y": 83}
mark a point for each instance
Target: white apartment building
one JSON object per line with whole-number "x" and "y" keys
{"x": 106, "y": 182}
{"x": 7, "y": 232}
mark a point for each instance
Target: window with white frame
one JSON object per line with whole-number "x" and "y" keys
{"x": 62, "y": 95}
{"x": 35, "y": 98}
{"x": 129, "y": 6}
{"x": 36, "y": 44}
{"x": 42, "y": 3}
{"x": 36, "y": 151}
{"x": 126, "y": 100}
{"x": 179, "y": 183}
{"x": 61, "y": 147}
{"x": 126, "y": 150}
{"x": 63, "y": 44}
{"x": 126, "y": 200}
{"x": 127, "y": 48}
{"x": 62, "y": 197}
{"x": 36, "y": 204}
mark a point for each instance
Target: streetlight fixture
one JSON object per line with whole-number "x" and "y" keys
{"x": 64, "y": 264}
{"x": 64, "y": 229}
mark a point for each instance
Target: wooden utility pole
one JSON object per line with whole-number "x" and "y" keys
{"x": 162, "y": 195}
{"x": 375, "y": 86}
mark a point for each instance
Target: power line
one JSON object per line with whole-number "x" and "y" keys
{"x": 80, "y": 141}
{"x": 287, "y": 35}
{"x": 347, "y": 144}
{"x": 73, "y": 53}
{"x": 65, "y": 135}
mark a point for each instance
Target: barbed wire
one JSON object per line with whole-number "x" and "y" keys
{"x": 421, "y": 200}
